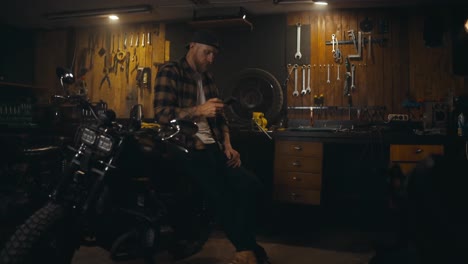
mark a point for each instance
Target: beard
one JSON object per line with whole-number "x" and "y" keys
{"x": 202, "y": 67}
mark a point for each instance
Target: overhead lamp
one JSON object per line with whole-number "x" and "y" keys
{"x": 321, "y": 3}
{"x": 293, "y": 2}
{"x": 101, "y": 12}
{"x": 299, "y": 2}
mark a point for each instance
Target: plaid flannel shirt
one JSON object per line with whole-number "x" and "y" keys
{"x": 176, "y": 96}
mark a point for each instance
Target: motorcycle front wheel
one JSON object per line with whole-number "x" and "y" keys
{"x": 43, "y": 238}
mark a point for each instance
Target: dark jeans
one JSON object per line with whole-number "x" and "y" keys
{"x": 231, "y": 192}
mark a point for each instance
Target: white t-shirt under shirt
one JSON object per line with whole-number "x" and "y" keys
{"x": 204, "y": 131}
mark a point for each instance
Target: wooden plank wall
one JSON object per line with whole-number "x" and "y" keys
{"x": 395, "y": 70}
{"x": 124, "y": 90}
{"x": 84, "y": 57}
{"x": 399, "y": 69}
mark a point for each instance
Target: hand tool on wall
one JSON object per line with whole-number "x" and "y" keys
{"x": 143, "y": 77}
{"x": 134, "y": 54}
{"x": 359, "y": 47}
{"x": 308, "y": 90}
{"x": 120, "y": 55}
{"x": 328, "y": 73}
{"x": 135, "y": 58}
{"x": 337, "y": 72}
{"x": 115, "y": 64}
{"x": 136, "y": 41}
{"x": 352, "y": 36}
{"x": 113, "y": 58}
{"x": 127, "y": 65}
{"x": 303, "y": 91}
{"x": 143, "y": 39}
{"x": 336, "y": 51}
{"x": 298, "y": 54}
{"x": 125, "y": 41}
{"x": 296, "y": 92}
{"x": 112, "y": 45}
{"x": 102, "y": 50}
{"x": 131, "y": 40}
{"x": 347, "y": 82}
{"x": 148, "y": 39}
{"x": 353, "y": 69}
{"x": 106, "y": 74}
{"x": 333, "y": 43}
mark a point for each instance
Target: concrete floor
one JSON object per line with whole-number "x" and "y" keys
{"x": 217, "y": 250}
{"x": 292, "y": 237}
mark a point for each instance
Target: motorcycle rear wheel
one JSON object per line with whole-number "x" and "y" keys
{"x": 41, "y": 239}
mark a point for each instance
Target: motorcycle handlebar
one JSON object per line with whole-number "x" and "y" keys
{"x": 82, "y": 101}
{"x": 169, "y": 133}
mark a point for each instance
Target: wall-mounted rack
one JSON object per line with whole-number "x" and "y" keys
{"x": 365, "y": 41}
{"x": 336, "y": 107}
{"x": 370, "y": 113}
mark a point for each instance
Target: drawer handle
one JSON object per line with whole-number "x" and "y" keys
{"x": 418, "y": 151}
{"x": 296, "y": 163}
{"x": 296, "y": 178}
{"x": 297, "y": 147}
{"x": 294, "y": 196}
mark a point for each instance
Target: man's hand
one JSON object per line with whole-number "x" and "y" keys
{"x": 210, "y": 108}
{"x": 233, "y": 157}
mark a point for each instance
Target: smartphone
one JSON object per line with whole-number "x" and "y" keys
{"x": 229, "y": 100}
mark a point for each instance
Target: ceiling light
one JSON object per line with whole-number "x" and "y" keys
{"x": 321, "y": 3}
{"x": 113, "y": 17}
{"x": 293, "y": 2}
{"x": 102, "y": 12}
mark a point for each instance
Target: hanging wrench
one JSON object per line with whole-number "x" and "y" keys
{"x": 303, "y": 92}
{"x": 337, "y": 52}
{"x": 353, "y": 37}
{"x": 328, "y": 73}
{"x": 308, "y": 90}
{"x": 338, "y": 72}
{"x": 333, "y": 43}
{"x": 298, "y": 54}
{"x": 353, "y": 86}
{"x": 295, "y": 93}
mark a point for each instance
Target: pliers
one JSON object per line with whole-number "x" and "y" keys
{"x": 106, "y": 78}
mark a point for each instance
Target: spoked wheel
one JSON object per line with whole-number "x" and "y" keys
{"x": 257, "y": 91}
{"x": 43, "y": 238}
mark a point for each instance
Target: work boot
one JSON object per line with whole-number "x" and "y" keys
{"x": 244, "y": 257}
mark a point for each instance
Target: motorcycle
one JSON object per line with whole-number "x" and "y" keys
{"x": 120, "y": 191}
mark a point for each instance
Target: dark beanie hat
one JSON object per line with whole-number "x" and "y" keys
{"x": 205, "y": 37}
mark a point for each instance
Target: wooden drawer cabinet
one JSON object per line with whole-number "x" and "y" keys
{"x": 298, "y": 171}
{"x": 407, "y": 156}
{"x": 300, "y": 164}
{"x": 294, "y": 195}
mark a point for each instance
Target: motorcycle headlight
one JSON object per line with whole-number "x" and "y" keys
{"x": 88, "y": 136}
{"x": 104, "y": 144}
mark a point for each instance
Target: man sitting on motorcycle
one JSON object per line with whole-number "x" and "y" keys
{"x": 186, "y": 90}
